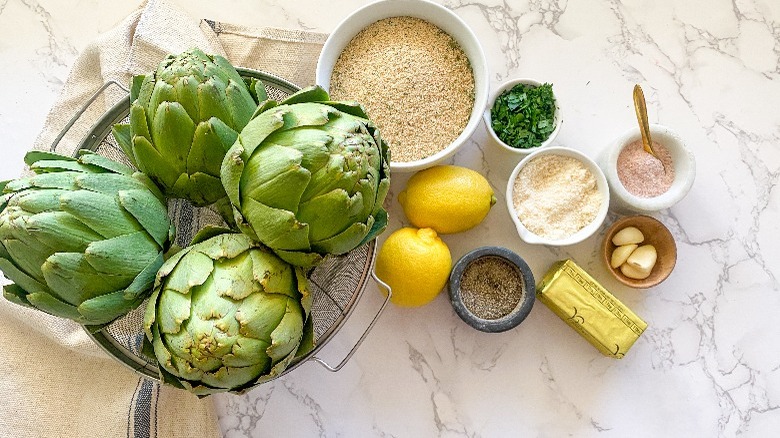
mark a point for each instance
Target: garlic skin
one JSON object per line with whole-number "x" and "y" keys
{"x": 621, "y": 254}
{"x": 628, "y": 236}
{"x": 632, "y": 272}
{"x": 643, "y": 258}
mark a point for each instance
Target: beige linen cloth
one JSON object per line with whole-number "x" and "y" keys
{"x": 55, "y": 381}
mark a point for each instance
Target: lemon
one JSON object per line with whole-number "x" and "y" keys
{"x": 415, "y": 263}
{"x": 449, "y": 199}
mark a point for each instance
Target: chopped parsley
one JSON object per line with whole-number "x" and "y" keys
{"x": 524, "y": 116}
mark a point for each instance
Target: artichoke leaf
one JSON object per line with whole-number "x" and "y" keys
{"x": 38, "y": 201}
{"x": 17, "y": 295}
{"x": 145, "y": 279}
{"x": 61, "y": 231}
{"x": 172, "y": 132}
{"x": 232, "y": 277}
{"x": 227, "y": 377}
{"x": 135, "y": 86}
{"x": 274, "y": 275}
{"x": 276, "y": 228}
{"x": 173, "y": 308}
{"x": 34, "y": 156}
{"x": 208, "y": 232}
{"x": 349, "y": 107}
{"x": 226, "y": 246}
{"x": 186, "y": 88}
{"x": 123, "y": 256}
{"x": 307, "y": 341}
{"x": 300, "y": 258}
{"x": 308, "y": 94}
{"x": 23, "y": 281}
{"x": 53, "y": 306}
{"x": 150, "y": 185}
{"x": 92, "y": 159}
{"x": 170, "y": 263}
{"x": 259, "y": 314}
{"x": 231, "y": 170}
{"x": 107, "y": 307}
{"x": 305, "y": 114}
{"x": 205, "y": 189}
{"x": 240, "y": 104}
{"x": 188, "y": 273}
{"x": 274, "y": 177}
{"x": 150, "y": 314}
{"x": 263, "y": 107}
{"x": 331, "y": 213}
{"x": 147, "y": 210}
{"x": 307, "y": 299}
{"x": 207, "y": 150}
{"x": 213, "y": 101}
{"x": 139, "y": 125}
{"x": 108, "y": 183}
{"x": 226, "y": 134}
{"x": 47, "y": 166}
{"x": 102, "y": 213}
{"x": 288, "y": 334}
{"x": 152, "y": 163}
{"x": 311, "y": 142}
{"x": 248, "y": 352}
{"x": 379, "y": 226}
{"x": 71, "y": 278}
{"x": 27, "y": 253}
{"x": 163, "y": 93}
{"x": 346, "y": 240}
{"x": 257, "y": 130}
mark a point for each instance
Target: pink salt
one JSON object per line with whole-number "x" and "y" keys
{"x": 642, "y": 174}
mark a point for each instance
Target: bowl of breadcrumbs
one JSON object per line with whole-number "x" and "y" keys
{"x": 418, "y": 70}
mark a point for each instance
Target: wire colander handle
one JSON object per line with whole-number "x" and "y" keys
{"x": 82, "y": 110}
{"x": 365, "y": 333}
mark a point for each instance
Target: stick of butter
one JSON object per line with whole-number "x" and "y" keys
{"x": 590, "y": 309}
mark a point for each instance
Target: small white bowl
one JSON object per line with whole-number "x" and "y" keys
{"x": 489, "y": 121}
{"x": 579, "y": 236}
{"x": 684, "y": 171}
{"x": 435, "y": 14}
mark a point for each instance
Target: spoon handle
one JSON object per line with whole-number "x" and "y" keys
{"x": 641, "y": 116}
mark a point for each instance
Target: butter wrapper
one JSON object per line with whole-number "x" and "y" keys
{"x": 590, "y": 309}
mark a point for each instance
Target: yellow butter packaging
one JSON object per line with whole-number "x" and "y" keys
{"x": 590, "y": 309}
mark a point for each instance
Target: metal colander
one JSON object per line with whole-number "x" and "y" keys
{"x": 336, "y": 284}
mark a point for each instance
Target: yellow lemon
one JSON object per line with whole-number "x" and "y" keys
{"x": 415, "y": 264}
{"x": 449, "y": 199}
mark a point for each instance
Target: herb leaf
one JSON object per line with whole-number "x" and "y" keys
{"x": 524, "y": 116}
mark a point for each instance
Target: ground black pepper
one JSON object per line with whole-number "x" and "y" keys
{"x": 491, "y": 287}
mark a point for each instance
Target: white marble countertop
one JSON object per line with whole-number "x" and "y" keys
{"x": 704, "y": 367}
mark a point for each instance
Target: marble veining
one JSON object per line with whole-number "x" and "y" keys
{"x": 707, "y": 364}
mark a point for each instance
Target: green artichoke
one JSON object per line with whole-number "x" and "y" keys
{"x": 227, "y": 314}
{"x": 308, "y": 176}
{"x": 183, "y": 118}
{"x": 83, "y": 238}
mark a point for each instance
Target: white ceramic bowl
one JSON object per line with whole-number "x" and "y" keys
{"x": 579, "y": 236}
{"x": 436, "y": 14}
{"x": 489, "y": 121}
{"x": 684, "y": 171}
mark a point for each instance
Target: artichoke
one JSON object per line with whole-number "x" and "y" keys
{"x": 82, "y": 238}
{"x": 227, "y": 314}
{"x": 307, "y": 177}
{"x": 183, "y": 118}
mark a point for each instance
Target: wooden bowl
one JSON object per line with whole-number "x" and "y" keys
{"x": 656, "y": 234}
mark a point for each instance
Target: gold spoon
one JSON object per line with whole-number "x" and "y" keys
{"x": 641, "y": 116}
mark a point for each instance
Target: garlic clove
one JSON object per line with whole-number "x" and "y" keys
{"x": 620, "y": 255}
{"x": 643, "y": 258}
{"x": 633, "y": 272}
{"x": 628, "y": 236}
